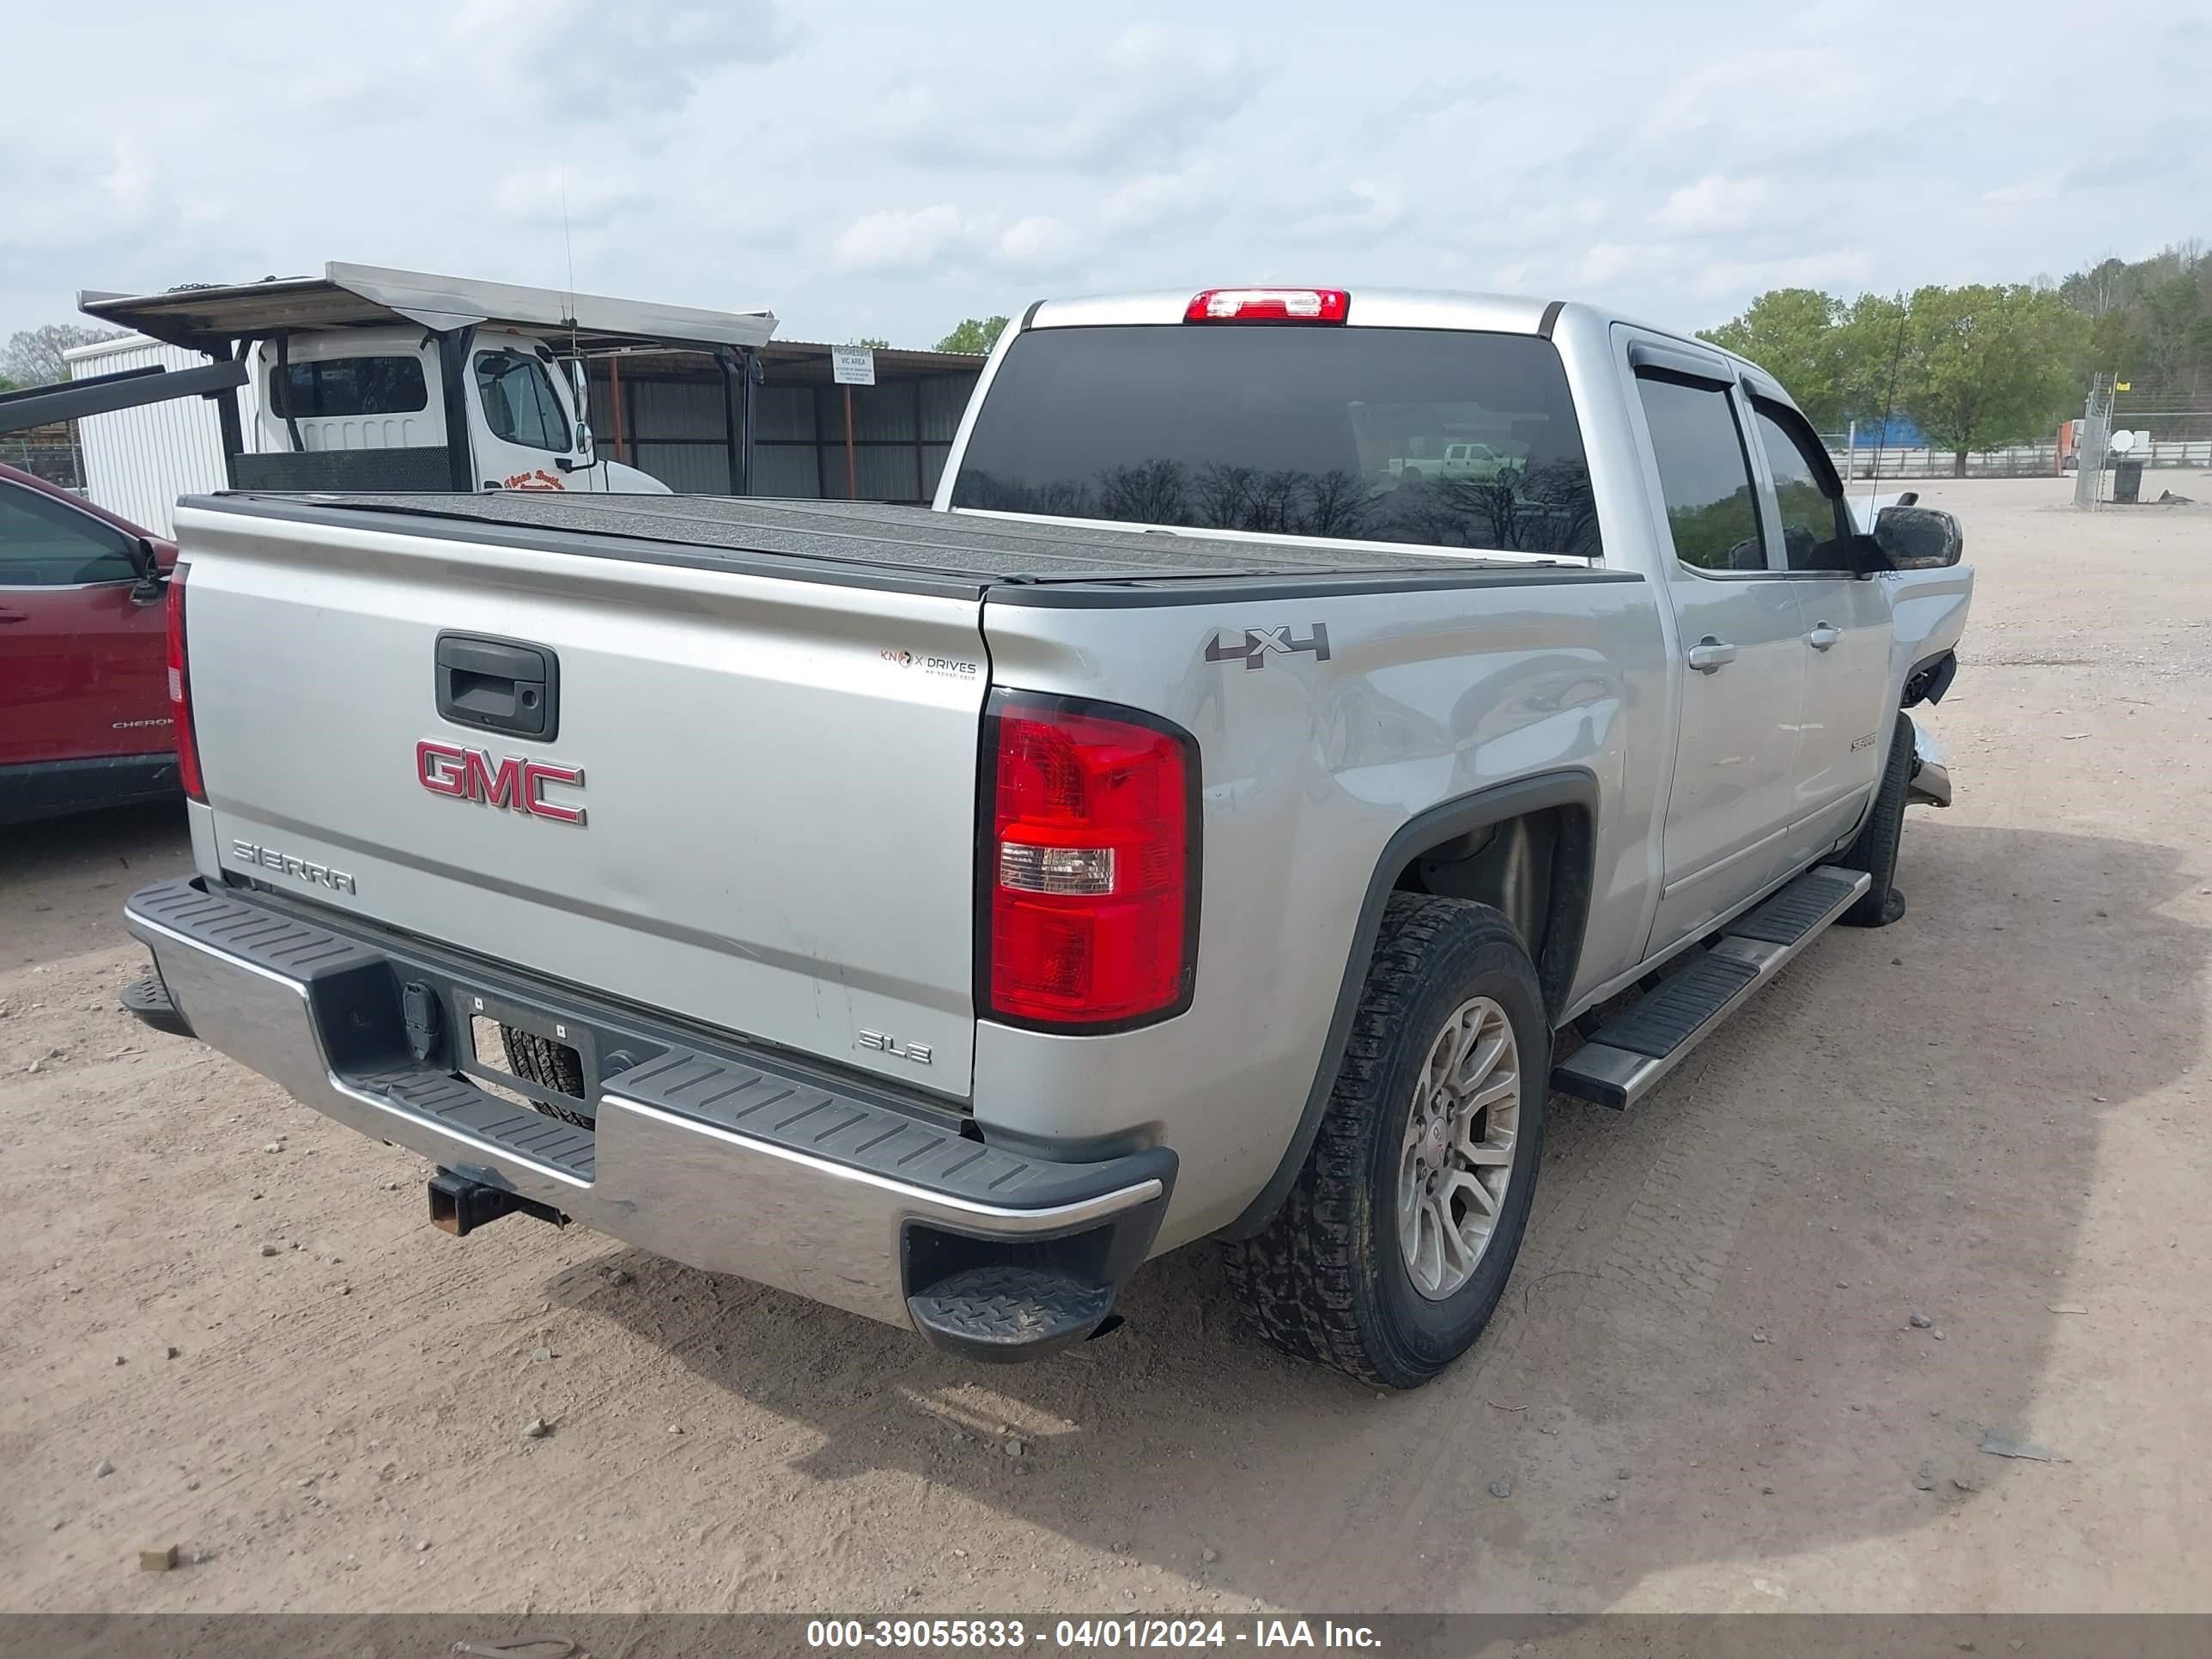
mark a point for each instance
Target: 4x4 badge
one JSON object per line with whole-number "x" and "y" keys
{"x": 1258, "y": 643}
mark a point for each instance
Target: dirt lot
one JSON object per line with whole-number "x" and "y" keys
{"x": 1704, "y": 1388}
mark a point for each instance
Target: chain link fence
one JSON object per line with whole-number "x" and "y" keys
{"x": 57, "y": 460}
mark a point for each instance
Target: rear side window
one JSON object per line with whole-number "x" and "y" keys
{"x": 1704, "y": 473}
{"x": 337, "y": 388}
{"x": 1816, "y": 525}
{"x": 520, "y": 404}
{"x": 45, "y": 542}
{"x": 1439, "y": 437}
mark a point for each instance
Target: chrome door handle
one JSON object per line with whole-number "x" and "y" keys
{"x": 1823, "y": 637}
{"x": 1708, "y": 654}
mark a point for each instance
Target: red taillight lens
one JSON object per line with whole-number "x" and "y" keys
{"x": 1092, "y": 867}
{"x": 180, "y": 692}
{"x": 1269, "y": 305}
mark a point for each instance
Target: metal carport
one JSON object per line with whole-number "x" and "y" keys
{"x": 654, "y": 411}
{"x": 225, "y": 322}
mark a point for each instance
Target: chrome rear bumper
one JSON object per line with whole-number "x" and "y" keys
{"x": 1930, "y": 782}
{"x": 728, "y": 1161}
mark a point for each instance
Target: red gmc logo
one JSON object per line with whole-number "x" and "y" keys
{"x": 514, "y": 784}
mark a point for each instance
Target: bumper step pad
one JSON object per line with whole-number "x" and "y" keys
{"x": 149, "y": 999}
{"x": 466, "y": 1109}
{"x": 1633, "y": 1051}
{"x": 1006, "y": 1313}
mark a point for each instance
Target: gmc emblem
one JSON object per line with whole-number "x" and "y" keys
{"x": 514, "y": 784}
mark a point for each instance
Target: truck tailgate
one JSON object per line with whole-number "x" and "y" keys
{"x": 773, "y": 815}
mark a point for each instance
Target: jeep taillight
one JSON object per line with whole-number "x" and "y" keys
{"x": 1091, "y": 868}
{"x": 180, "y": 692}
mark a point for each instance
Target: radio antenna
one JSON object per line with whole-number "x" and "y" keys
{"x": 568, "y": 245}
{"x": 576, "y": 352}
{"x": 1889, "y": 404}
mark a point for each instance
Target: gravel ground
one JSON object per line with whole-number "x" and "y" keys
{"x": 225, "y": 1325}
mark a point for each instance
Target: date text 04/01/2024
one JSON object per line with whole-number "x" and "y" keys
{"x": 855, "y": 1634}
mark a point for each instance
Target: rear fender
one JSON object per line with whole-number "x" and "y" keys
{"x": 1557, "y": 955}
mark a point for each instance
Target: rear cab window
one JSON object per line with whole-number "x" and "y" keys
{"x": 1433, "y": 437}
{"x": 341, "y": 388}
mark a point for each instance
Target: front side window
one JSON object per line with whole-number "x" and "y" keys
{"x": 45, "y": 542}
{"x": 1816, "y": 525}
{"x": 519, "y": 404}
{"x": 1438, "y": 437}
{"x": 342, "y": 388}
{"x": 1705, "y": 472}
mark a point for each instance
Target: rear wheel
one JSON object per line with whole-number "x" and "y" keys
{"x": 1875, "y": 849}
{"x": 1392, "y": 1248}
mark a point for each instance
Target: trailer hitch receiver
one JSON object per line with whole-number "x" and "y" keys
{"x": 458, "y": 1206}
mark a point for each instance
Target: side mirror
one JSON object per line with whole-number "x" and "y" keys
{"x": 153, "y": 583}
{"x": 581, "y": 387}
{"x": 1917, "y": 538}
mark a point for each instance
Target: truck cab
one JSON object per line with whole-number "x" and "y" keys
{"x": 382, "y": 389}
{"x": 367, "y": 378}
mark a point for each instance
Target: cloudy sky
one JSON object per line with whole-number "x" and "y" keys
{"x": 869, "y": 168}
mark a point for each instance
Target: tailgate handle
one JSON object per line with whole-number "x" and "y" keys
{"x": 499, "y": 685}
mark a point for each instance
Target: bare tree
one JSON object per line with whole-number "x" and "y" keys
{"x": 2098, "y": 290}
{"x": 33, "y": 356}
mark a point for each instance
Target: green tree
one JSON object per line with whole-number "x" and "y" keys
{"x": 2099, "y": 291}
{"x": 976, "y": 334}
{"x": 1869, "y": 356}
{"x": 873, "y": 345}
{"x": 1985, "y": 365}
{"x": 2111, "y": 342}
{"x": 1840, "y": 361}
{"x": 2174, "y": 330}
{"x": 1793, "y": 334}
{"x": 2150, "y": 320}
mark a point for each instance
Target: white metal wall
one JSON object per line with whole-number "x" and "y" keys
{"x": 138, "y": 461}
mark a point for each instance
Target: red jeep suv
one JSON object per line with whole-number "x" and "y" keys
{"x": 84, "y": 703}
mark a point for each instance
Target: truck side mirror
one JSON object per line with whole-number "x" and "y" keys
{"x": 581, "y": 386}
{"x": 1917, "y": 538}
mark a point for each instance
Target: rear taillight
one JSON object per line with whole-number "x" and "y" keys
{"x": 1269, "y": 305}
{"x": 180, "y": 692}
{"x": 1090, "y": 872}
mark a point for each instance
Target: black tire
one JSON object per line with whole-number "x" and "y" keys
{"x": 549, "y": 1065}
{"x": 1326, "y": 1281}
{"x": 1875, "y": 849}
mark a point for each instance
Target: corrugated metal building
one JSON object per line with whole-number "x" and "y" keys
{"x": 138, "y": 461}
{"x": 661, "y": 411}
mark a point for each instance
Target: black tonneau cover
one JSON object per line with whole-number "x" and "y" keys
{"x": 896, "y": 546}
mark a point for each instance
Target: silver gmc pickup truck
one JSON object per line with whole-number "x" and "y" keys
{"x": 1209, "y": 821}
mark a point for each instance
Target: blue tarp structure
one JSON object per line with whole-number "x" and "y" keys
{"x": 1899, "y": 433}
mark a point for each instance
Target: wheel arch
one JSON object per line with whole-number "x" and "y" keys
{"x": 1572, "y": 794}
